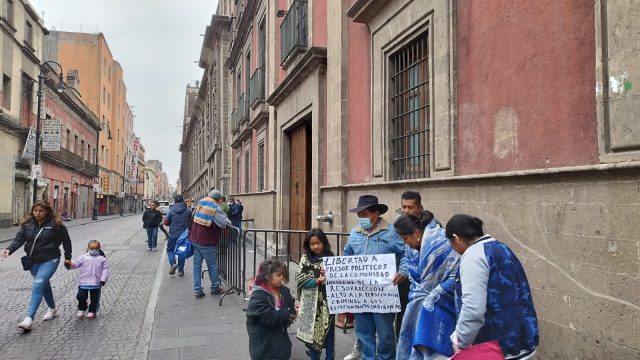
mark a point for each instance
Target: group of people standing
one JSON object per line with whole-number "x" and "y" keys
{"x": 468, "y": 292}
{"x": 205, "y": 222}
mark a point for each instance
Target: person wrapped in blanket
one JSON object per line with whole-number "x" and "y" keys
{"x": 430, "y": 314}
{"x": 316, "y": 328}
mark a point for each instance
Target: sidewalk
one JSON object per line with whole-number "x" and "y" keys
{"x": 188, "y": 328}
{"x": 8, "y": 234}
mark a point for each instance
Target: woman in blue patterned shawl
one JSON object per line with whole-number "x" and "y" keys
{"x": 429, "y": 317}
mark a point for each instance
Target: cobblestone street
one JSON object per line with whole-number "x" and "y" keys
{"x": 117, "y": 332}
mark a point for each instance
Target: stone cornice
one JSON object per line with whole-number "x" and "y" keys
{"x": 311, "y": 59}
{"x": 362, "y": 11}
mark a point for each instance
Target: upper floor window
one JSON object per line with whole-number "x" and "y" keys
{"x": 28, "y": 34}
{"x": 247, "y": 172}
{"x": 6, "y": 91}
{"x": 8, "y": 11}
{"x": 409, "y": 110}
{"x": 294, "y": 30}
{"x": 261, "y": 168}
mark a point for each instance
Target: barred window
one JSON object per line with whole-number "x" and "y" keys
{"x": 409, "y": 95}
{"x": 261, "y": 166}
{"x": 238, "y": 174}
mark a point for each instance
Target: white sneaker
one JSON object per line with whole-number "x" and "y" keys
{"x": 50, "y": 314}
{"x": 80, "y": 314}
{"x": 26, "y": 324}
{"x": 355, "y": 355}
{"x": 90, "y": 315}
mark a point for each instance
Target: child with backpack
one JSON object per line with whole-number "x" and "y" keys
{"x": 94, "y": 272}
{"x": 316, "y": 324}
{"x": 270, "y": 311}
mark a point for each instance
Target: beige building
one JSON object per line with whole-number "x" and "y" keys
{"x": 205, "y": 146}
{"x": 21, "y": 55}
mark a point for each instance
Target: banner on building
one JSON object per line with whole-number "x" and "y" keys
{"x": 29, "y": 151}
{"x": 51, "y": 129}
{"x": 364, "y": 283}
{"x": 133, "y": 165}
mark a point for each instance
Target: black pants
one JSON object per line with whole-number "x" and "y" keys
{"x": 163, "y": 230}
{"x": 82, "y": 296}
{"x": 403, "y": 291}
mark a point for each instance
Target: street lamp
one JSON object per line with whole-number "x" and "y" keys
{"x": 95, "y": 191}
{"x": 60, "y": 88}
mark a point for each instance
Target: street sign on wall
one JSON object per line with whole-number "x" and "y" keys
{"x": 29, "y": 151}
{"x": 51, "y": 129}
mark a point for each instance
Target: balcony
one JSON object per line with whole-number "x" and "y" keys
{"x": 293, "y": 31}
{"x": 243, "y": 109}
{"x": 238, "y": 11}
{"x": 256, "y": 87}
{"x": 235, "y": 123}
{"x": 67, "y": 158}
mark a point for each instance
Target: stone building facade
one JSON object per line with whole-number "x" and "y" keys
{"x": 205, "y": 150}
{"x": 523, "y": 114}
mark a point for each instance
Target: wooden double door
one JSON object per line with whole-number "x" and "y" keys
{"x": 300, "y": 186}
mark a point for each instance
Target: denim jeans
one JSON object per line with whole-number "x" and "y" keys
{"x": 329, "y": 344}
{"x": 210, "y": 255}
{"x": 152, "y": 237}
{"x": 367, "y": 325}
{"x": 171, "y": 246}
{"x": 42, "y": 273}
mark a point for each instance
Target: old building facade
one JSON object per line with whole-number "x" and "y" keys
{"x": 22, "y": 34}
{"x": 521, "y": 114}
{"x": 205, "y": 150}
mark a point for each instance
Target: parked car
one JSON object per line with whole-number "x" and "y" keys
{"x": 164, "y": 207}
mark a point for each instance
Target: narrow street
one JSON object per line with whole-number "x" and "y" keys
{"x": 117, "y": 331}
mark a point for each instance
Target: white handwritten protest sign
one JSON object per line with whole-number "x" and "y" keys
{"x": 363, "y": 283}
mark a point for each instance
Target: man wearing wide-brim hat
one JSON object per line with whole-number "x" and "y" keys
{"x": 372, "y": 236}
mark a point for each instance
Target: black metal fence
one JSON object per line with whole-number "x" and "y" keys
{"x": 240, "y": 256}
{"x": 294, "y": 30}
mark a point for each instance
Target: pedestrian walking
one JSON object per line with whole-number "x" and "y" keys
{"x": 494, "y": 303}
{"x": 41, "y": 232}
{"x": 375, "y": 236}
{"x": 432, "y": 266}
{"x": 151, "y": 219}
{"x": 178, "y": 219}
{"x": 208, "y": 221}
{"x": 93, "y": 275}
{"x": 270, "y": 311}
{"x": 316, "y": 328}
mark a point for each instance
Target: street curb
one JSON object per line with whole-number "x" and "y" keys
{"x": 149, "y": 318}
{"x": 75, "y": 225}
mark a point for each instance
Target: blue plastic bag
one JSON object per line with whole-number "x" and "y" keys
{"x": 183, "y": 245}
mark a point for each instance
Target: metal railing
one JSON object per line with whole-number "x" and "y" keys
{"x": 235, "y": 123}
{"x": 238, "y": 11}
{"x": 256, "y": 87}
{"x": 72, "y": 160}
{"x": 237, "y": 269}
{"x": 294, "y": 30}
{"x": 243, "y": 109}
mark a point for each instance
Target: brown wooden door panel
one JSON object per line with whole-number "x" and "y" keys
{"x": 300, "y": 188}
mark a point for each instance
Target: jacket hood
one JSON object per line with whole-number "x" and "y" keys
{"x": 179, "y": 208}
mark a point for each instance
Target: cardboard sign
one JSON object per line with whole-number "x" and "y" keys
{"x": 360, "y": 284}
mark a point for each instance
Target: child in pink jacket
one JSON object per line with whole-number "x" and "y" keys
{"x": 94, "y": 271}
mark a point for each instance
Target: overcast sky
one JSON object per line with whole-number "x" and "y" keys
{"x": 156, "y": 42}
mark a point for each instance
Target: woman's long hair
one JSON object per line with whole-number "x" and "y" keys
{"x": 51, "y": 215}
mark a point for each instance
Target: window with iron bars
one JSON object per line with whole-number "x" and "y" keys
{"x": 237, "y": 174}
{"x": 409, "y": 110}
{"x": 261, "y": 166}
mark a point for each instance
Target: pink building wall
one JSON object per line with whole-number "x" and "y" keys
{"x": 359, "y": 104}
{"x": 526, "y": 85}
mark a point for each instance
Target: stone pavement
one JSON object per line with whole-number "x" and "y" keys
{"x": 188, "y": 328}
{"x": 119, "y": 331}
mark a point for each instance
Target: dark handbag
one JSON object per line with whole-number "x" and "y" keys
{"x": 26, "y": 260}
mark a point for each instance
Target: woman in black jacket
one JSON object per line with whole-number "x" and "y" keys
{"x": 270, "y": 311}
{"x": 41, "y": 233}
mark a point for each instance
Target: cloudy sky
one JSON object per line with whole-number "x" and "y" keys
{"x": 156, "y": 42}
